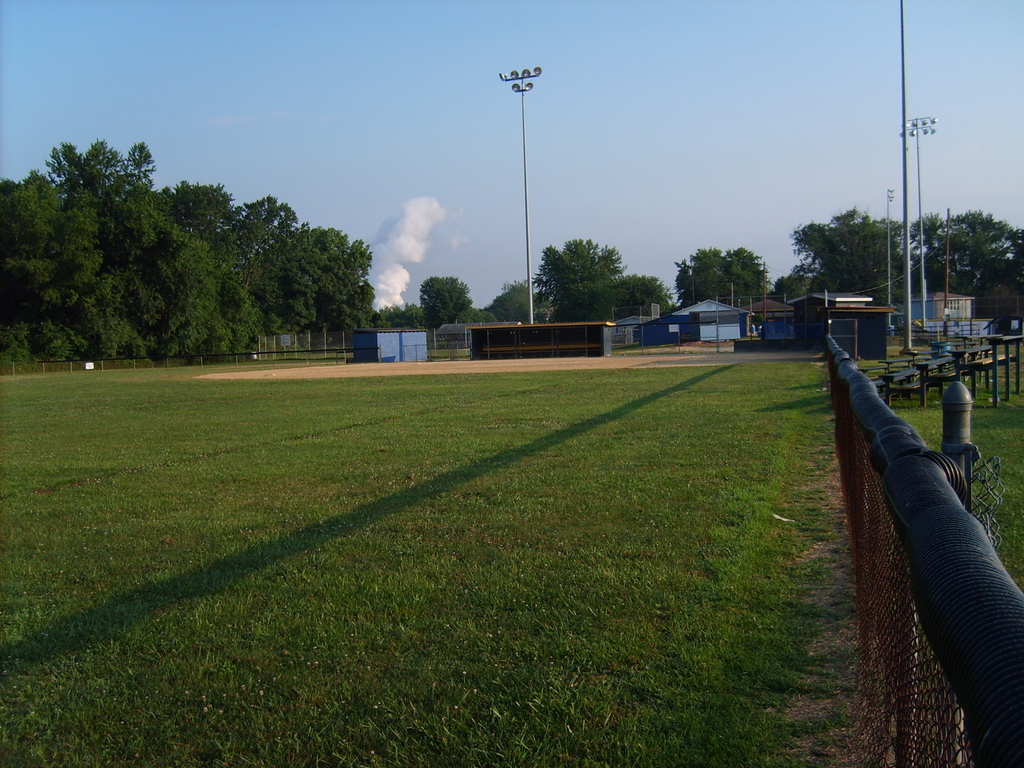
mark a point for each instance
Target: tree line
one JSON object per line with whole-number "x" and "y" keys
{"x": 852, "y": 253}
{"x": 579, "y": 282}
{"x": 96, "y": 262}
{"x": 855, "y": 253}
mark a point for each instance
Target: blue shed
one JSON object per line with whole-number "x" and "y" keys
{"x": 389, "y": 345}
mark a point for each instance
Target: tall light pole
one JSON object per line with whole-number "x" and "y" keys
{"x": 889, "y": 195}
{"x": 908, "y": 344}
{"x": 521, "y": 86}
{"x": 915, "y": 128}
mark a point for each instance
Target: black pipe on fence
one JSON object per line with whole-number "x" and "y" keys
{"x": 970, "y": 609}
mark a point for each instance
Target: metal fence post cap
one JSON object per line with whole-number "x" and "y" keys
{"x": 957, "y": 397}
{"x": 956, "y": 420}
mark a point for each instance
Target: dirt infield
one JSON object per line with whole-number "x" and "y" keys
{"x": 352, "y": 370}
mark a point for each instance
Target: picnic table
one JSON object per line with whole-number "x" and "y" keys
{"x": 964, "y": 356}
{"x": 917, "y": 377}
{"x": 984, "y": 358}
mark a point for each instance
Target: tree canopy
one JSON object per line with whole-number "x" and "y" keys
{"x": 711, "y": 273}
{"x": 512, "y": 305}
{"x": 579, "y": 280}
{"x": 641, "y": 291}
{"x": 407, "y": 316}
{"x": 986, "y": 256}
{"x": 95, "y": 262}
{"x": 444, "y": 300}
{"x": 848, "y": 254}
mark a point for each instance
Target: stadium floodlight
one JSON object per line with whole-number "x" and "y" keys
{"x": 917, "y": 127}
{"x": 521, "y": 86}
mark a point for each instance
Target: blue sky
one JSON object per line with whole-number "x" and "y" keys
{"x": 657, "y": 127}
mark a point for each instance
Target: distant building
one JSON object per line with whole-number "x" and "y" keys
{"x": 809, "y": 311}
{"x": 774, "y": 317}
{"x": 769, "y": 309}
{"x": 849, "y": 318}
{"x": 958, "y": 307}
{"x": 705, "y": 321}
{"x": 623, "y": 333}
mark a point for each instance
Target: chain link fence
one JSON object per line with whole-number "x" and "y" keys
{"x": 940, "y": 621}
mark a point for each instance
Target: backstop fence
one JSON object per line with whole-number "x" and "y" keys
{"x": 940, "y": 621}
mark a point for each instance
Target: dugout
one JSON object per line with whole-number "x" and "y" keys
{"x": 389, "y": 345}
{"x": 542, "y": 340}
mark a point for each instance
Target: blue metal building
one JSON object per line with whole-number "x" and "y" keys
{"x": 389, "y": 345}
{"x": 706, "y": 321}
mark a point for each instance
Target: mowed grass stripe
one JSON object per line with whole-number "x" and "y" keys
{"x": 494, "y": 570}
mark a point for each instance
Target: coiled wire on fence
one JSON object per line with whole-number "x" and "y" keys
{"x": 941, "y": 622}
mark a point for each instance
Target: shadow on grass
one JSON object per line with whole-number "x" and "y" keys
{"x": 94, "y": 625}
{"x": 814, "y": 403}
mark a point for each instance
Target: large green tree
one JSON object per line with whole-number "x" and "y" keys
{"x": 49, "y": 270}
{"x": 204, "y": 210}
{"x": 641, "y": 291}
{"x": 267, "y": 240}
{"x": 95, "y": 262}
{"x": 445, "y": 300}
{"x": 579, "y": 279}
{"x": 790, "y": 286}
{"x": 849, "y": 254}
{"x": 207, "y": 216}
{"x": 407, "y": 316}
{"x": 338, "y": 271}
{"x": 985, "y": 258}
{"x": 512, "y": 304}
{"x": 711, "y": 273}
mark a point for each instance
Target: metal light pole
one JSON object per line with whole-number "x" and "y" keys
{"x": 915, "y": 128}
{"x": 908, "y": 344}
{"x": 521, "y": 86}
{"x": 889, "y": 195}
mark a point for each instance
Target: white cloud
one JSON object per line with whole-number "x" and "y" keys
{"x": 404, "y": 240}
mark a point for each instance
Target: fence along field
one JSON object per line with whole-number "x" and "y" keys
{"x": 559, "y": 567}
{"x": 941, "y": 620}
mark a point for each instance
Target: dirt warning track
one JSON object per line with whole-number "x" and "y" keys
{"x": 357, "y": 370}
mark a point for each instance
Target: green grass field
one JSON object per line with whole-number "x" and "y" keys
{"x": 497, "y": 570}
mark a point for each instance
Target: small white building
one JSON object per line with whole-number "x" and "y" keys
{"x": 958, "y": 307}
